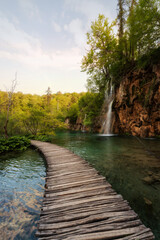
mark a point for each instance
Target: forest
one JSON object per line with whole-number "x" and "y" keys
{"x": 130, "y": 42}
{"x": 36, "y": 116}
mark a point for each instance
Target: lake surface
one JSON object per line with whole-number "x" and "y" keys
{"x": 21, "y": 193}
{"x": 130, "y": 164}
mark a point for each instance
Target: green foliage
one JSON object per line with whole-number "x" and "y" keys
{"x": 36, "y": 115}
{"x": 42, "y": 137}
{"x": 73, "y": 113}
{"x": 144, "y": 27}
{"x": 98, "y": 60}
{"x": 109, "y": 57}
{"x": 16, "y": 143}
{"x": 89, "y": 107}
{"x": 149, "y": 59}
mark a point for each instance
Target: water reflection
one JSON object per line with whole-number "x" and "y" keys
{"x": 21, "y": 192}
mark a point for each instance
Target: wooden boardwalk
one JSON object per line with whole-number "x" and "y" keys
{"x": 79, "y": 204}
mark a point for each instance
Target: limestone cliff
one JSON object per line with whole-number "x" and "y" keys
{"x": 136, "y": 108}
{"x": 78, "y": 126}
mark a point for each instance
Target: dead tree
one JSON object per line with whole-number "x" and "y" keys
{"x": 9, "y": 104}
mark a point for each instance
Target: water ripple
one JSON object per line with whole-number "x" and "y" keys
{"x": 21, "y": 194}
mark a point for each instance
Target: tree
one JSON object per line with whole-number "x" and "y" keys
{"x": 49, "y": 96}
{"x": 32, "y": 120}
{"x": 73, "y": 113}
{"x": 131, "y": 21}
{"x": 30, "y": 114}
{"x": 9, "y": 104}
{"x": 89, "y": 106}
{"x": 143, "y": 27}
{"x": 102, "y": 49}
{"x": 121, "y": 26}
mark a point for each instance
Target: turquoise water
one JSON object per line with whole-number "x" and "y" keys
{"x": 21, "y": 194}
{"x": 130, "y": 164}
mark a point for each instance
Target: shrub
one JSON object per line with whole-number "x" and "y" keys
{"x": 43, "y": 137}
{"x": 15, "y": 143}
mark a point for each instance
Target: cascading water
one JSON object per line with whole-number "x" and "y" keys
{"x": 106, "y": 128}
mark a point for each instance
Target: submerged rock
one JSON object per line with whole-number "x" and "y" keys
{"x": 148, "y": 180}
{"x": 147, "y": 201}
{"x": 152, "y": 178}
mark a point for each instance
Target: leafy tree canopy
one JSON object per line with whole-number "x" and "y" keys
{"x": 33, "y": 114}
{"x": 110, "y": 56}
{"x": 102, "y": 51}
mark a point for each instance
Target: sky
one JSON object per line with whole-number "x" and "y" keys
{"x": 44, "y": 41}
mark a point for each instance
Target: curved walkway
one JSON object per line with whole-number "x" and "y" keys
{"x": 79, "y": 204}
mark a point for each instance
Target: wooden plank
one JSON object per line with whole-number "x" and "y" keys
{"x": 82, "y": 208}
{"x": 92, "y": 218}
{"x": 79, "y": 192}
{"x": 70, "y": 173}
{"x": 113, "y": 223}
{"x": 101, "y": 229}
{"x": 71, "y": 176}
{"x": 106, "y": 235}
{"x": 80, "y": 202}
{"x": 79, "y": 183}
{"x": 110, "y": 207}
{"x": 79, "y": 215}
{"x": 72, "y": 179}
{"x": 73, "y": 191}
{"x": 110, "y": 234}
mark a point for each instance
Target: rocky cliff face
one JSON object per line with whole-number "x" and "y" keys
{"x": 136, "y": 108}
{"x": 78, "y": 126}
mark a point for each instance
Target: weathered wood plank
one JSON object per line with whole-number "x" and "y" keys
{"x": 79, "y": 215}
{"x": 92, "y": 218}
{"x": 72, "y": 192}
{"x": 106, "y": 235}
{"x": 83, "y": 207}
{"x": 80, "y": 204}
{"x": 70, "y": 197}
{"x": 110, "y": 207}
{"x": 84, "y": 171}
{"x": 72, "y": 184}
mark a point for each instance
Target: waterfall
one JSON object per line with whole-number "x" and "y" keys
{"x": 106, "y": 128}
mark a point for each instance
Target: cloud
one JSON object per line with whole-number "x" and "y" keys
{"x": 76, "y": 28}
{"x": 86, "y": 11}
{"x": 18, "y": 46}
{"x": 56, "y": 26}
{"x": 29, "y": 8}
{"x": 90, "y": 9}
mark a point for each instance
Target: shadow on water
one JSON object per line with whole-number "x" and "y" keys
{"x": 130, "y": 164}
{"x": 21, "y": 194}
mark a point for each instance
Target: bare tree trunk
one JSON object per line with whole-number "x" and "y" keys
{"x": 121, "y": 23}
{"x": 10, "y": 97}
{"x": 132, "y": 45}
{"x": 5, "y": 129}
